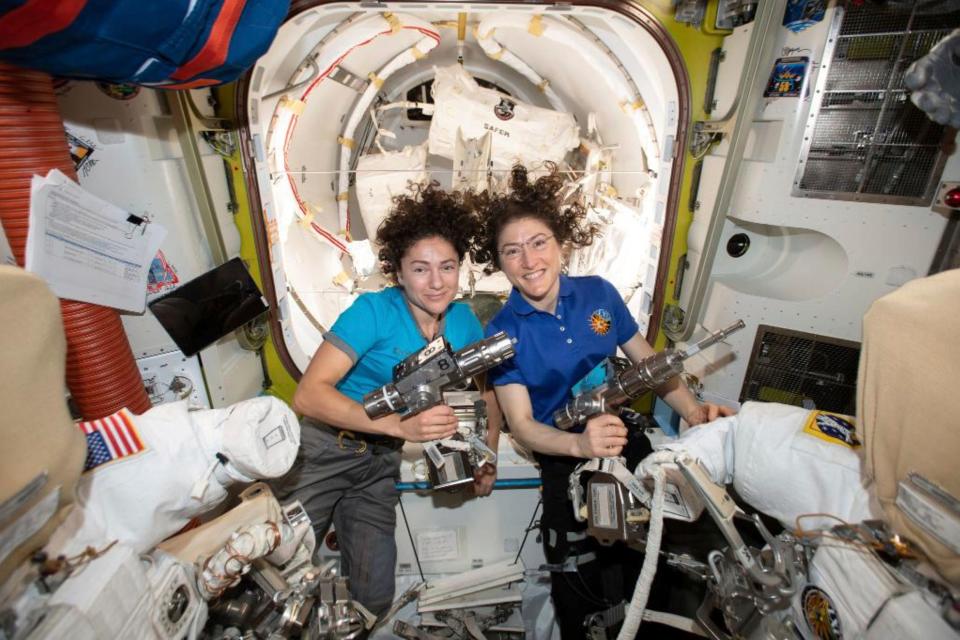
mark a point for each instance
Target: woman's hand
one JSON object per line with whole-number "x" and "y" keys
{"x": 435, "y": 423}
{"x": 707, "y": 412}
{"x": 483, "y": 479}
{"x": 604, "y": 437}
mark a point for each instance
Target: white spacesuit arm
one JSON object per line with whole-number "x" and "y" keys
{"x": 712, "y": 444}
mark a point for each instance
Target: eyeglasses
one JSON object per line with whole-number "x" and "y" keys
{"x": 513, "y": 251}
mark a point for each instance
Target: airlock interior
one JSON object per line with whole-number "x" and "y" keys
{"x": 351, "y": 105}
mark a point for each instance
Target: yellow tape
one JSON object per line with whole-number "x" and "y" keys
{"x": 536, "y": 27}
{"x": 347, "y": 142}
{"x": 296, "y": 106}
{"x": 343, "y": 197}
{"x": 636, "y": 105}
{"x": 375, "y": 79}
{"x": 417, "y": 54}
{"x": 393, "y": 21}
{"x": 543, "y": 85}
{"x": 496, "y": 55}
{"x": 484, "y": 36}
{"x": 342, "y": 279}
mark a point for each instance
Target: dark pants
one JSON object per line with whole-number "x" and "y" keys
{"x": 354, "y": 488}
{"x": 595, "y": 577}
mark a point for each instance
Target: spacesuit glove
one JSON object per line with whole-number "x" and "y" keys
{"x": 934, "y": 81}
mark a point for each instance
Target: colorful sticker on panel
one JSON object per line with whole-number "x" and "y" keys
{"x": 832, "y": 427}
{"x": 81, "y": 151}
{"x": 802, "y": 14}
{"x": 119, "y": 91}
{"x": 786, "y": 79}
{"x": 161, "y": 275}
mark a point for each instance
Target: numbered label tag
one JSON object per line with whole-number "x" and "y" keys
{"x": 431, "y": 350}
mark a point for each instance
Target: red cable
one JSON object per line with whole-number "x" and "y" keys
{"x": 102, "y": 374}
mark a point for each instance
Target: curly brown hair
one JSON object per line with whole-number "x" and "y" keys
{"x": 539, "y": 200}
{"x": 428, "y": 212}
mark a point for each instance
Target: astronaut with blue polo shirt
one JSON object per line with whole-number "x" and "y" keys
{"x": 564, "y": 327}
{"x": 348, "y": 464}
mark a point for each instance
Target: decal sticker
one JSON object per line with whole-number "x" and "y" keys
{"x": 119, "y": 91}
{"x": 81, "y": 151}
{"x": 504, "y": 109}
{"x": 820, "y": 614}
{"x": 601, "y": 321}
{"x": 801, "y": 14}
{"x": 832, "y": 427}
{"x": 110, "y": 439}
{"x": 161, "y": 275}
{"x": 786, "y": 79}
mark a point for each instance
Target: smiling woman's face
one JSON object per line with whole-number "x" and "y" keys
{"x": 530, "y": 258}
{"x": 430, "y": 274}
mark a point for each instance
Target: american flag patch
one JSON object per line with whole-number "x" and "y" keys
{"x": 110, "y": 439}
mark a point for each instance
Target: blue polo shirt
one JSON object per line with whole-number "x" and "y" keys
{"x": 554, "y": 351}
{"x": 377, "y": 331}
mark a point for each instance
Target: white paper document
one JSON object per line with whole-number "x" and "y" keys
{"x": 88, "y": 249}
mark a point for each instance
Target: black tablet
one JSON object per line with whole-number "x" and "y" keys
{"x": 203, "y": 310}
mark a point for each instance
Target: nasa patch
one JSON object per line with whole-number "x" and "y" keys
{"x": 504, "y": 109}
{"x": 820, "y": 614}
{"x": 601, "y": 321}
{"x": 832, "y": 427}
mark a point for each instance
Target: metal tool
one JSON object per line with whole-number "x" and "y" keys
{"x": 629, "y": 383}
{"x": 419, "y": 381}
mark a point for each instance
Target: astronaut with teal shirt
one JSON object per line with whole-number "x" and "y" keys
{"x": 348, "y": 464}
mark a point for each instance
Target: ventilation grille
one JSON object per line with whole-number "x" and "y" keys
{"x": 867, "y": 141}
{"x": 802, "y": 369}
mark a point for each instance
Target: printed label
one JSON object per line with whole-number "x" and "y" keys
{"x": 437, "y": 544}
{"x": 929, "y": 515}
{"x": 673, "y": 503}
{"x": 603, "y": 505}
{"x": 431, "y": 350}
{"x": 274, "y": 437}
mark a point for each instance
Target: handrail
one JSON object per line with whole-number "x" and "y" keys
{"x": 766, "y": 27}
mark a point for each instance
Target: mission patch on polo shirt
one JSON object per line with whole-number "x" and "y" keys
{"x": 554, "y": 351}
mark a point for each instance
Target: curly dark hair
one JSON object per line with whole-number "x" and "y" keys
{"x": 429, "y": 212}
{"x": 539, "y": 200}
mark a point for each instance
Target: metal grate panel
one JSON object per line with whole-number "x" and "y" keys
{"x": 802, "y": 369}
{"x": 865, "y": 139}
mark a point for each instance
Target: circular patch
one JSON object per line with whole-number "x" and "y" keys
{"x": 504, "y": 109}
{"x": 119, "y": 91}
{"x": 601, "y": 321}
{"x": 820, "y": 615}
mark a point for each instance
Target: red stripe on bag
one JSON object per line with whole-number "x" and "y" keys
{"x": 35, "y": 19}
{"x": 214, "y": 51}
{"x": 193, "y": 84}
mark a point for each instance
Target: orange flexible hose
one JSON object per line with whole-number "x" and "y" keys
{"x": 102, "y": 374}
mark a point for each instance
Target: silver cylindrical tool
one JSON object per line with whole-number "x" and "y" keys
{"x": 645, "y": 375}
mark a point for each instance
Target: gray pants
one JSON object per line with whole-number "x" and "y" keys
{"x": 339, "y": 482}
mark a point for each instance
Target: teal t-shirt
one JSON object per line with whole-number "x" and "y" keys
{"x": 377, "y": 331}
